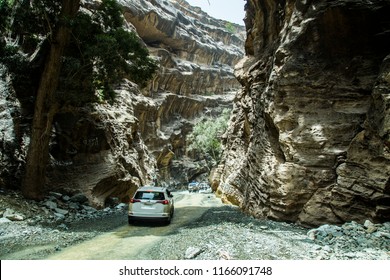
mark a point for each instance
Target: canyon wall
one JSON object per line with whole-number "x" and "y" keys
{"x": 108, "y": 150}
{"x": 309, "y": 139}
{"x": 197, "y": 53}
{"x": 97, "y": 150}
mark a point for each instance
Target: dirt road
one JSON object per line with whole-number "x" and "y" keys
{"x": 202, "y": 229}
{"x": 133, "y": 242}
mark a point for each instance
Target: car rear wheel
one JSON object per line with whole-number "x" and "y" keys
{"x": 169, "y": 219}
{"x": 172, "y": 212}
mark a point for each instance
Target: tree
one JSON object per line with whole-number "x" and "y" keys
{"x": 86, "y": 54}
{"x": 206, "y": 136}
{"x": 101, "y": 54}
{"x": 45, "y": 105}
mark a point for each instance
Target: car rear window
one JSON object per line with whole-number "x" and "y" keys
{"x": 150, "y": 195}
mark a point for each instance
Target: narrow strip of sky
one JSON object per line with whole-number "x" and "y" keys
{"x": 230, "y": 10}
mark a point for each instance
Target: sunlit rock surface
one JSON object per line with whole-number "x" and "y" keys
{"x": 110, "y": 150}
{"x": 309, "y": 138}
{"x": 98, "y": 150}
{"x": 197, "y": 53}
{"x": 165, "y": 122}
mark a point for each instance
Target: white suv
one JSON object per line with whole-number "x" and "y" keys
{"x": 151, "y": 203}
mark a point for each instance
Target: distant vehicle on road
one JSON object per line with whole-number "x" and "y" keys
{"x": 151, "y": 203}
{"x": 193, "y": 186}
{"x": 199, "y": 187}
{"x": 204, "y": 188}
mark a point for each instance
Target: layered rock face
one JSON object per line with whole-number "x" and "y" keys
{"x": 108, "y": 150}
{"x": 309, "y": 139}
{"x": 164, "y": 123}
{"x": 98, "y": 150}
{"x": 197, "y": 53}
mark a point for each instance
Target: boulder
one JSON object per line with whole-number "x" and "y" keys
{"x": 192, "y": 253}
{"x": 12, "y": 215}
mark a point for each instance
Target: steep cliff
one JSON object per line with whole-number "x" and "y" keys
{"x": 165, "y": 122}
{"x": 309, "y": 139}
{"x": 109, "y": 149}
{"x": 197, "y": 55}
{"x": 197, "y": 52}
{"x": 97, "y": 150}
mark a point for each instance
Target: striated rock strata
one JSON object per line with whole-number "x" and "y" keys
{"x": 97, "y": 150}
{"x": 197, "y": 53}
{"x": 108, "y": 150}
{"x": 164, "y": 123}
{"x": 309, "y": 139}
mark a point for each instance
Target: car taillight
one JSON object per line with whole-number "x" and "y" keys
{"x": 165, "y": 202}
{"x": 134, "y": 200}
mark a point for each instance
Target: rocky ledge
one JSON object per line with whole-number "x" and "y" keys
{"x": 56, "y": 209}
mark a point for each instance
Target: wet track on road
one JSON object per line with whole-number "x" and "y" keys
{"x": 134, "y": 241}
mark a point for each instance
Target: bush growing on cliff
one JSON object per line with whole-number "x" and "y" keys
{"x": 230, "y": 27}
{"x": 206, "y": 136}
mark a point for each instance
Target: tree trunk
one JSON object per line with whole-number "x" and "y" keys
{"x": 46, "y": 107}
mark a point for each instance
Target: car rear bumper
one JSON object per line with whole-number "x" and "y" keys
{"x": 148, "y": 216}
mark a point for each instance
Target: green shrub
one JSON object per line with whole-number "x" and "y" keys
{"x": 206, "y": 135}
{"x": 100, "y": 54}
{"x": 230, "y": 27}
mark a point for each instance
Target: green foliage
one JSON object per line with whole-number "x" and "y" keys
{"x": 5, "y": 11}
{"x": 109, "y": 15}
{"x": 101, "y": 52}
{"x": 230, "y": 27}
{"x": 206, "y": 135}
{"x": 9, "y": 55}
{"x": 32, "y": 19}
